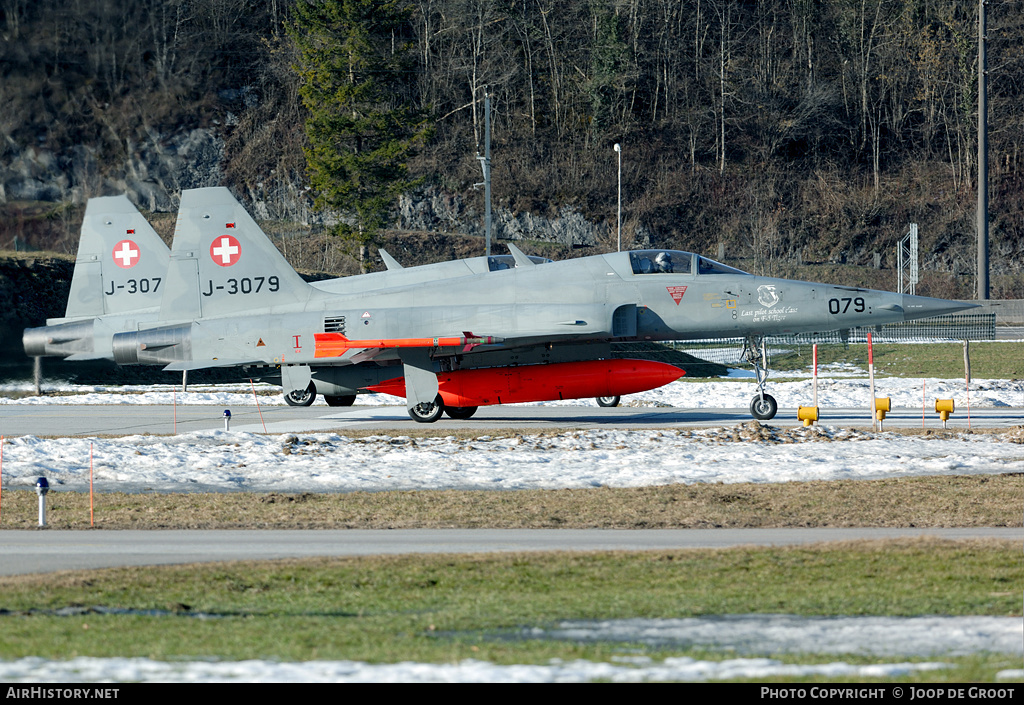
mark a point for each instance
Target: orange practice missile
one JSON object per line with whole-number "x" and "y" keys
{"x": 336, "y": 344}
{"x": 559, "y": 380}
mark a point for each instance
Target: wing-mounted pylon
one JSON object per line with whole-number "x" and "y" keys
{"x": 418, "y": 371}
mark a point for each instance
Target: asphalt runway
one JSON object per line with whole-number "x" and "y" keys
{"x": 45, "y": 550}
{"x": 129, "y": 419}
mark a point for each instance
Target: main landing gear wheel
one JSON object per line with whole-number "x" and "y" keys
{"x": 460, "y": 412}
{"x": 346, "y": 400}
{"x": 763, "y": 409}
{"x": 301, "y": 398}
{"x": 427, "y": 412}
{"x": 607, "y": 401}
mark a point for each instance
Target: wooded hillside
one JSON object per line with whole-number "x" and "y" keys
{"x": 785, "y": 129}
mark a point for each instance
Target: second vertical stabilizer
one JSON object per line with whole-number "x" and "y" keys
{"x": 223, "y": 264}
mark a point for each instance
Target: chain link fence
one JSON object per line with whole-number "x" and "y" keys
{"x": 710, "y": 358}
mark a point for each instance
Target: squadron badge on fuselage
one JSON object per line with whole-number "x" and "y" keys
{"x": 767, "y": 296}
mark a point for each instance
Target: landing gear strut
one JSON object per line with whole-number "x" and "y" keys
{"x": 763, "y": 406}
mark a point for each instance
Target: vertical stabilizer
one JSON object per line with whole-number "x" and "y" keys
{"x": 222, "y": 263}
{"x": 121, "y": 264}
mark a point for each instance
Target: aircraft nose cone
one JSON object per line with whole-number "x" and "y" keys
{"x": 924, "y": 307}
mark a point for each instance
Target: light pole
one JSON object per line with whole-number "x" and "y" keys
{"x": 982, "y": 278}
{"x": 618, "y": 150}
{"x": 485, "y": 164}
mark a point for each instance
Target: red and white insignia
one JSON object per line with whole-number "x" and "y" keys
{"x": 126, "y": 254}
{"x": 225, "y": 250}
{"x": 676, "y": 292}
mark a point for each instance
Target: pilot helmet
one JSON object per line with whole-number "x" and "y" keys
{"x": 664, "y": 261}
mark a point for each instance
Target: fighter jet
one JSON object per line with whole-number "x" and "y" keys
{"x": 451, "y": 345}
{"x": 117, "y": 284}
{"x": 122, "y": 264}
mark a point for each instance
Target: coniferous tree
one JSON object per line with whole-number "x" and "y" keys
{"x": 363, "y": 124}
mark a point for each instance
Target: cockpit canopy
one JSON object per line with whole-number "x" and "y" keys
{"x": 675, "y": 262}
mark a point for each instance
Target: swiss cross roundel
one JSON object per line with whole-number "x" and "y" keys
{"x": 225, "y": 250}
{"x": 126, "y": 254}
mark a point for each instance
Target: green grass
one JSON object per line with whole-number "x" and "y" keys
{"x": 448, "y": 608}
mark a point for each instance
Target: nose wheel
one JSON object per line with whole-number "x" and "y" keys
{"x": 763, "y": 406}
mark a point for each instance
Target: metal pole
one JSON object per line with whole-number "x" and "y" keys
{"x": 487, "y": 170}
{"x": 814, "y": 348}
{"x": 618, "y": 150}
{"x": 871, "y": 376}
{"x": 485, "y": 166}
{"x": 983, "y": 289}
{"x": 42, "y": 487}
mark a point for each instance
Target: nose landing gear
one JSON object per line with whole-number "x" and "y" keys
{"x": 763, "y": 407}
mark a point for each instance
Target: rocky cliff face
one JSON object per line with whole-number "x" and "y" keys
{"x": 156, "y": 170}
{"x": 152, "y": 175}
{"x": 434, "y": 211}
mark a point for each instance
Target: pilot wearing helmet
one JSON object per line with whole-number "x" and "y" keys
{"x": 663, "y": 263}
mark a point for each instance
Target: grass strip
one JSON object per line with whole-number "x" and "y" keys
{"x": 925, "y": 502}
{"x": 447, "y": 608}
